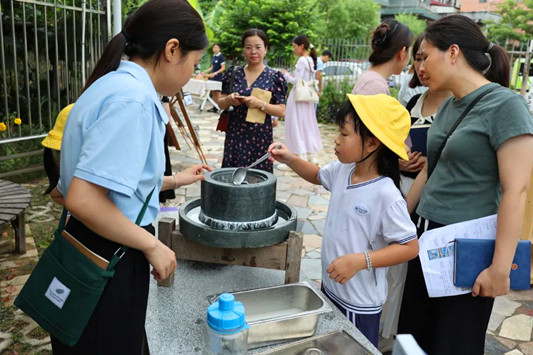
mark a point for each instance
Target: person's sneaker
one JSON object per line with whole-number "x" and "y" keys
{"x": 213, "y": 109}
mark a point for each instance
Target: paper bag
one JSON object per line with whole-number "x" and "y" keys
{"x": 255, "y": 115}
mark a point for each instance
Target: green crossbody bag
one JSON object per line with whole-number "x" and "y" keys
{"x": 63, "y": 290}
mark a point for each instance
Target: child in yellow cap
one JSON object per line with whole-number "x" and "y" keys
{"x": 367, "y": 227}
{"x": 52, "y": 147}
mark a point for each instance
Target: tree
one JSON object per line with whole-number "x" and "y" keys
{"x": 516, "y": 21}
{"x": 348, "y": 19}
{"x": 416, "y": 25}
{"x": 281, "y": 20}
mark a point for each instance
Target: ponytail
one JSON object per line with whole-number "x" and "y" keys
{"x": 389, "y": 38}
{"x": 110, "y": 59}
{"x": 487, "y": 58}
{"x": 387, "y": 160}
{"x": 313, "y": 55}
{"x": 303, "y": 39}
{"x": 498, "y": 72}
{"x": 147, "y": 31}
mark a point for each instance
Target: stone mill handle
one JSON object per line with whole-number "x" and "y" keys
{"x": 263, "y": 158}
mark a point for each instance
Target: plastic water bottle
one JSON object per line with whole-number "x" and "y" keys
{"x": 227, "y": 330}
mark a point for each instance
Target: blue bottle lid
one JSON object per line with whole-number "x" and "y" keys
{"x": 226, "y": 315}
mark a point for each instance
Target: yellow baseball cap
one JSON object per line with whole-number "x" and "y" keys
{"x": 386, "y": 118}
{"x": 53, "y": 139}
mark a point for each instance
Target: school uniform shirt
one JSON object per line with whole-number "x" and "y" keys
{"x": 216, "y": 62}
{"x": 365, "y": 216}
{"x": 114, "y": 139}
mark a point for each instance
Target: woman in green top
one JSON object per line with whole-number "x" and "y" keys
{"x": 484, "y": 169}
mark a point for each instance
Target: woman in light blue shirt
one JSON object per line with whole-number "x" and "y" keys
{"x": 113, "y": 158}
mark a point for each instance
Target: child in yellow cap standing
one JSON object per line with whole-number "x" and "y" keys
{"x": 368, "y": 227}
{"x": 52, "y": 147}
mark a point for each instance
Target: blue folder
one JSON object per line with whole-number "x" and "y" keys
{"x": 475, "y": 255}
{"x": 419, "y": 138}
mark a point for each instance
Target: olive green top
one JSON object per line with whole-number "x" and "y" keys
{"x": 465, "y": 184}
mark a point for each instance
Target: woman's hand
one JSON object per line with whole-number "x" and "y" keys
{"x": 191, "y": 174}
{"x": 253, "y": 102}
{"x": 283, "y": 72}
{"x": 234, "y": 99}
{"x": 210, "y": 75}
{"x": 415, "y": 164}
{"x": 345, "y": 267}
{"x": 283, "y": 155}
{"x": 162, "y": 259}
{"x": 492, "y": 282}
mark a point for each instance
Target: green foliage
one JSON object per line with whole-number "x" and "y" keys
{"x": 281, "y": 20}
{"x": 516, "y": 22}
{"x": 416, "y": 25}
{"x": 348, "y": 19}
{"x": 331, "y": 100}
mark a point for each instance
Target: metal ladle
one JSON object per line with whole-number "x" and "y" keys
{"x": 239, "y": 174}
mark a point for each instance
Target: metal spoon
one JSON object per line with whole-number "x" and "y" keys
{"x": 239, "y": 174}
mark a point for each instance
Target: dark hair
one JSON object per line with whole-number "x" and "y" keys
{"x": 414, "y": 82}
{"x": 386, "y": 159}
{"x": 388, "y": 39}
{"x": 216, "y": 44}
{"x": 51, "y": 168}
{"x": 303, "y": 39}
{"x": 465, "y": 33}
{"x": 147, "y": 31}
{"x": 254, "y": 32}
{"x": 327, "y": 53}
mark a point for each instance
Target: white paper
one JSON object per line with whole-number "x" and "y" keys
{"x": 437, "y": 253}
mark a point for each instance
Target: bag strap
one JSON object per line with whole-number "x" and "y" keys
{"x": 122, "y": 250}
{"x": 310, "y": 69}
{"x": 459, "y": 120}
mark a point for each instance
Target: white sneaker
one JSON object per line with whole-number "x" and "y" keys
{"x": 283, "y": 167}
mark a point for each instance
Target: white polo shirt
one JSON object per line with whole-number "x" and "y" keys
{"x": 364, "y": 216}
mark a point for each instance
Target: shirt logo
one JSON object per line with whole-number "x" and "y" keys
{"x": 361, "y": 209}
{"x": 57, "y": 293}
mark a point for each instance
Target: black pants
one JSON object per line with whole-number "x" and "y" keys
{"x": 117, "y": 324}
{"x": 444, "y": 325}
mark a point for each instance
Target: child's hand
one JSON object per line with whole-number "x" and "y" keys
{"x": 191, "y": 174}
{"x": 345, "y": 267}
{"x": 283, "y": 155}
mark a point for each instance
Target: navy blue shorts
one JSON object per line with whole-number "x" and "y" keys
{"x": 368, "y": 324}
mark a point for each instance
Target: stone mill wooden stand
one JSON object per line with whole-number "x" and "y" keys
{"x": 283, "y": 256}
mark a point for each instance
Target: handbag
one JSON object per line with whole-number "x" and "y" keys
{"x": 305, "y": 90}
{"x": 63, "y": 290}
{"x": 222, "y": 124}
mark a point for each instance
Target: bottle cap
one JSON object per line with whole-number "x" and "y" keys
{"x": 226, "y": 315}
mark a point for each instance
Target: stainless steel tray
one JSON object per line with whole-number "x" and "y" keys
{"x": 280, "y": 312}
{"x": 334, "y": 343}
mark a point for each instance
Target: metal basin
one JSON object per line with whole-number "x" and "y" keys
{"x": 334, "y": 343}
{"x": 281, "y": 312}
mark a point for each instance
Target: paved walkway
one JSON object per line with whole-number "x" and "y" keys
{"x": 510, "y": 328}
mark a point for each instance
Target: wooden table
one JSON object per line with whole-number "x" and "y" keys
{"x": 14, "y": 199}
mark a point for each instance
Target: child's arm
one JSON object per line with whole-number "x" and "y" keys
{"x": 415, "y": 192}
{"x": 345, "y": 267}
{"x": 308, "y": 171}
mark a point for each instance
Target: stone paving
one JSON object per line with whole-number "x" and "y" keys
{"x": 510, "y": 328}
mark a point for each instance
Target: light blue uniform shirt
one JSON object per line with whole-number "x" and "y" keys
{"x": 114, "y": 138}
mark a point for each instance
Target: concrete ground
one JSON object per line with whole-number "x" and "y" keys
{"x": 510, "y": 328}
